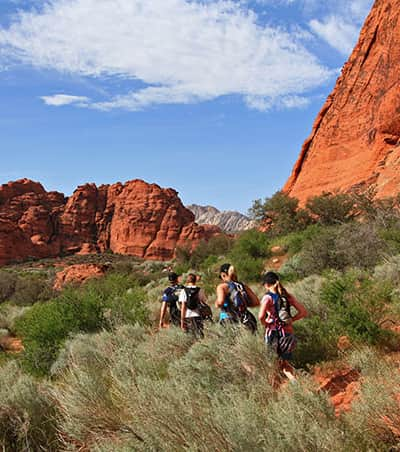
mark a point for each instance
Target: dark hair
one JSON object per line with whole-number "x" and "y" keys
{"x": 192, "y": 278}
{"x": 173, "y": 277}
{"x": 270, "y": 278}
{"x": 224, "y": 268}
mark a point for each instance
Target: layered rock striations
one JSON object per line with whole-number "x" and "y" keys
{"x": 355, "y": 141}
{"x": 228, "y": 221}
{"x": 134, "y": 218}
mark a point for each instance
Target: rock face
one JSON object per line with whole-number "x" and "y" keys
{"x": 355, "y": 141}
{"x": 228, "y": 221}
{"x": 78, "y": 274}
{"x": 134, "y": 218}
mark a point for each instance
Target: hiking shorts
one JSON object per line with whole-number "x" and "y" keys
{"x": 273, "y": 338}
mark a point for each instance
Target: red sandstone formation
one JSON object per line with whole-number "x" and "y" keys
{"x": 355, "y": 141}
{"x": 342, "y": 386}
{"x": 78, "y": 274}
{"x": 135, "y": 218}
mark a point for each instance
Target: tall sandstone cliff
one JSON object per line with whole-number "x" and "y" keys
{"x": 134, "y": 218}
{"x": 355, "y": 141}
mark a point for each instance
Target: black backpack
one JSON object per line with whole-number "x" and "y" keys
{"x": 171, "y": 297}
{"x": 192, "y": 297}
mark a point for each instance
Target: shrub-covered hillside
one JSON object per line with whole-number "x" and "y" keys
{"x": 95, "y": 374}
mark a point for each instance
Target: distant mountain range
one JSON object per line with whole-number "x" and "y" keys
{"x": 228, "y": 221}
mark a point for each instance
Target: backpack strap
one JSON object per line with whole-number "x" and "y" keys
{"x": 275, "y": 299}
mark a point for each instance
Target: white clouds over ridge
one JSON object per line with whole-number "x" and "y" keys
{"x": 182, "y": 51}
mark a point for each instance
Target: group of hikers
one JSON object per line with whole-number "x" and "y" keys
{"x": 188, "y": 310}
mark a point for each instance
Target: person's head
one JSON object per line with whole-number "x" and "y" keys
{"x": 173, "y": 278}
{"x": 227, "y": 272}
{"x": 270, "y": 280}
{"x": 191, "y": 278}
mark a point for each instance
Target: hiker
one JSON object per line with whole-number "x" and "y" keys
{"x": 169, "y": 301}
{"x": 193, "y": 301}
{"x": 275, "y": 314}
{"x": 234, "y": 298}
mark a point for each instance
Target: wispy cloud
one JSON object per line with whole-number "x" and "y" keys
{"x": 340, "y": 26}
{"x": 58, "y": 100}
{"x": 183, "y": 51}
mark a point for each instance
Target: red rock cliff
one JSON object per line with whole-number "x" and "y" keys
{"x": 135, "y": 218}
{"x": 355, "y": 140}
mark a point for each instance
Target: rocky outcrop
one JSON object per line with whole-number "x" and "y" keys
{"x": 355, "y": 141}
{"x": 78, "y": 274}
{"x": 228, "y": 221}
{"x": 134, "y": 218}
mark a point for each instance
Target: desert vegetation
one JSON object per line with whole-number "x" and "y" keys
{"x": 96, "y": 375}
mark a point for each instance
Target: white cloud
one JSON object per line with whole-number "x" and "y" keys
{"x": 341, "y": 24}
{"x": 338, "y": 33}
{"x": 283, "y": 102}
{"x": 59, "y": 100}
{"x": 182, "y": 51}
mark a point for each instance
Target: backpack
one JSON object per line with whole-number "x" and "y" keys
{"x": 169, "y": 295}
{"x": 192, "y": 297}
{"x": 238, "y": 296}
{"x": 282, "y": 308}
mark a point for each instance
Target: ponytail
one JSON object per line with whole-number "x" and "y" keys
{"x": 232, "y": 273}
{"x": 281, "y": 290}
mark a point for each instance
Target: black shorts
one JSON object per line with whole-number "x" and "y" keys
{"x": 194, "y": 325}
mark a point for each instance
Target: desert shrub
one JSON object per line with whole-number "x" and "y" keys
{"x": 293, "y": 243}
{"x": 27, "y": 413}
{"x": 350, "y": 245}
{"x": 375, "y": 417}
{"x": 198, "y": 258}
{"x": 8, "y": 280}
{"x": 330, "y": 209}
{"x": 31, "y": 288}
{"x": 391, "y": 237}
{"x": 317, "y": 340}
{"x": 280, "y": 213}
{"x": 132, "y": 391}
{"x": 248, "y": 254}
{"x": 357, "y": 305}
{"x": 308, "y": 292}
{"x": 99, "y": 304}
{"x": 9, "y": 313}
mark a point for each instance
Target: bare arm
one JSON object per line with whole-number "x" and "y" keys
{"x": 262, "y": 314}
{"x": 221, "y": 294}
{"x": 254, "y": 300}
{"x": 162, "y": 314}
{"x": 300, "y": 308}
{"x": 183, "y": 315}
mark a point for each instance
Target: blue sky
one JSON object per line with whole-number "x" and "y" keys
{"x": 213, "y": 98}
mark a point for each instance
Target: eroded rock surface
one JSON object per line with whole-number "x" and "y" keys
{"x": 355, "y": 141}
{"x": 134, "y": 218}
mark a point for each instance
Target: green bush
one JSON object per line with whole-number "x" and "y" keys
{"x": 248, "y": 254}
{"x": 27, "y": 413}
{"x": 99, "y": 304}
{"x": 331, "y": 209}
{"x": 349, "y": 245}
{"x": 280, "y": 213}
{"x": 357, "y": 305}
{"x": 198, "y": 259}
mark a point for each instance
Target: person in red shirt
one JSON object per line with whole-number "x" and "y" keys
{"x": 275, "y": 315}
